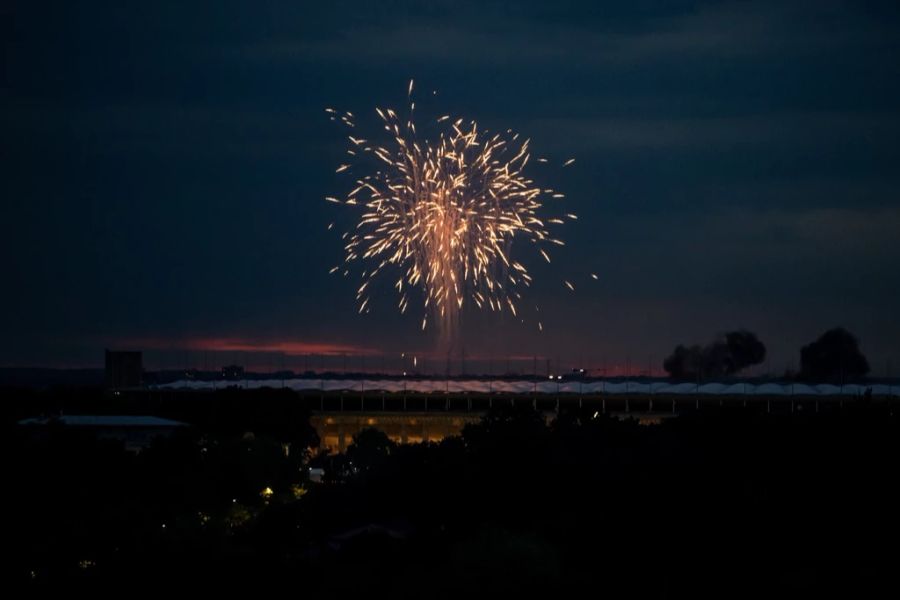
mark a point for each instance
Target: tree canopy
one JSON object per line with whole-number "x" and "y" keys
{"x": 726, "y": 355}
{"x": 835, "y": 356}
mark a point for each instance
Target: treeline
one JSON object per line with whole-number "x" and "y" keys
{"x": 718, "y": 504}
{"x": 834, "y": 357}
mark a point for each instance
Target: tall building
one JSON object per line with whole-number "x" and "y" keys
{"x": 124, "y": 369}
{"x": 232, "y": 372}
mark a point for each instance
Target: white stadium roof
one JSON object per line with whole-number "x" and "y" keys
{"x": 544, "y": 386}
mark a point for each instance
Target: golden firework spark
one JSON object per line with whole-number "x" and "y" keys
{"x": 445, "y": 215}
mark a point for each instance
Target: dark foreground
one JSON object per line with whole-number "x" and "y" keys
{"x": 720, "y": 503}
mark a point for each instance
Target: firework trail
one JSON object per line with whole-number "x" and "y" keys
{"x": 444, "y": 215}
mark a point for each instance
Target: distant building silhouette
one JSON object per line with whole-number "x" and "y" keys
{"x": 233, "y": 372}
{"x": 136, "y": 432}
{"x": 124, "y": 369}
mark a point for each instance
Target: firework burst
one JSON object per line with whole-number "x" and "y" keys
{"x": 442, "y": 216}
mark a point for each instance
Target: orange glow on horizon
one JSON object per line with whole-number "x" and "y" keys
{"x": 287, "y": 347}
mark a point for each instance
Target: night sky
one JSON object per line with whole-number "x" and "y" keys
{"x": 165, "y": 165}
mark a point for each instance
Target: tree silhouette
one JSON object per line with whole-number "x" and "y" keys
{"x": 835, "y": 356}
{"x": 727, "y": 355}
{"x": 370, "y": 448}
